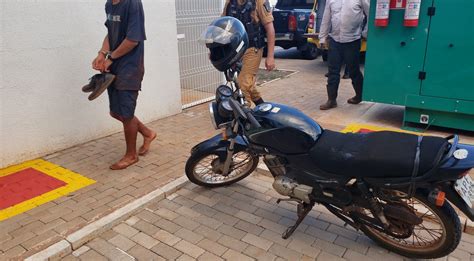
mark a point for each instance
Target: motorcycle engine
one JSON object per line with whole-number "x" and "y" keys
{"x": 283, "y": 184}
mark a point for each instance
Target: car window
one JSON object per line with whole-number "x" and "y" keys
{"x": 295, "y": 4}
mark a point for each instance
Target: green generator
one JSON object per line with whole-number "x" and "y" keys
{"x": 428, "y": 67}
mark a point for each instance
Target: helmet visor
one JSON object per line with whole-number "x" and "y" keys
{"x": 214, "y": 34}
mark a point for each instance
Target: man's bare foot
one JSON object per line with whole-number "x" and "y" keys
{"x": 124, "y": 163}
{"x": 146, "y": 144}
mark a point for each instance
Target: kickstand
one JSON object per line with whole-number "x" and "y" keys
{"x": 302, "y": 210}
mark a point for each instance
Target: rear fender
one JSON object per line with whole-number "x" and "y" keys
{"x": 456, "y": 200}
{"x": 460, "y": 164}
{"x": 218, "y": 145}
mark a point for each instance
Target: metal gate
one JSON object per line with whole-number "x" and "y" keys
{"x": 199, "y": 79}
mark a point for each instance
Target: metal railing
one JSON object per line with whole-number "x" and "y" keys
{"x": 199, "y": 79}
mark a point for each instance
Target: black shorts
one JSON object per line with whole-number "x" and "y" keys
{"x": 122, "y": 102}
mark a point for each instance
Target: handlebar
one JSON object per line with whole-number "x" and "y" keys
{"x": 243, "y": 113}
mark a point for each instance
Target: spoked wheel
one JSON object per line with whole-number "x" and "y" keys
{"x": 207, "y": 170}
{"x": 436, "y": 236}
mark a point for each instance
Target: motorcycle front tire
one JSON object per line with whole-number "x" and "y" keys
{"x": 194, "y": 160}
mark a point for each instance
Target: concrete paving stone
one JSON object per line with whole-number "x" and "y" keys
{"x": 185, "y": 257}
{"x": 257, "y": 241}
{"x": 125, "y": 230}
{"x": 141, "y": 253}
{"x": 96, "y": 213}
{"x": 189, "y": 248}
{"x": 268, "y": 215}
{"x": 304, "y": 248}
{"x": 226, "y": 209}
{"x": 325, "y": 256}
{"x": 108, "y": 250}
{"x": 12, "y": 252}
{"x": 148, "y": 216}
{"x": 208, "y": 233}
{"x": 205, "y": 200}
{"x": 349, "y": 234}
{"x": 231, "y": 231}
{"x": 209, "y": 257}
{"x": 166, "y": 213}
{"x": 16, "y": 241}
{"x": 213, "y": 247}
{"x": 265, "y": 205}
{"x": 259, "y": 254}
{"x": 109, "y": 234}
{"x": 233, "y": 243}
{"x": 290, "y": 214}
{"x": 188, "y": 235}
{"x": 68, "y": 227}
{"x": 461, "y": 254}
{"x": 246, "y": 216}
{"x": 301, "y": 237}
{"x": 284, "y": 252}
{"x": 121, "y": 201}
{"x": 41, "y": 240}
{"x": 258, "y": 188}
{"x": 69, "y": 258}
{"x": 132, "y": 220}
{"x": 188, "y": 212}
{"x": 167, "y": 252}
{"x": 145, "y": 240}
{"x": 275, "y": 227}
{"x": 167, "y": 225}
{"x": 356, "y": 256}
{"x": 166, "y": 237}
{"x": 122, "y": 242}
{"x": 351, "y": 244}
{"x": 315, "y": 222}
{"x": 27, "y": 228}
{"x": 186, "y": 222}
{"x": 210, "y": 222}
{"x": 274, "y": 237}
{"x": 321, "y": 234}
{"x": 80, "y": 251}
{"x": 378, "y": 253}
{"x": 146, "y": 227}
{"x": 239, "y": 197}
{"x": 165, "y": 203}
{"x": 330, "y": 247}
{"x": 330, "y": 218}
{"x": 466, "y": 247}
{"x": 286, "y": 222}
{"x": 204, "y": 210}
{"x": 226, "y": 200}
{"x": 92, "y": 255}
{"x": 232, "y": 255}
{"x": 48, "y": 226}
{"x": 226, "y": 219}
{"x": 249, "y": 227}
{"x": 244, "y": 206}
{"x": 76, "y": 213}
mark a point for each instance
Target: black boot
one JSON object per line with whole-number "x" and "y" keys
{"x": 328, "y": 105}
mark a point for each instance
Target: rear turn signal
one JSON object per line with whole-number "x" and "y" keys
{"x": 437, "y": 197}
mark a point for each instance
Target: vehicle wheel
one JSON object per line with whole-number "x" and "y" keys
{"x": 311, "y": 52}
{"x": 437, "y": 236}
{"x": 324, "y": 55}
{"x": 265, "y": 51}
{"x": 206, "y": 169}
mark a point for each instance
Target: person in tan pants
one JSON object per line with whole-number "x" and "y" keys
{"x": 256, "y": 15}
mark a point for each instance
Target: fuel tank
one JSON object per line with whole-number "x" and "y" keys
{"x": 284, "y": 129}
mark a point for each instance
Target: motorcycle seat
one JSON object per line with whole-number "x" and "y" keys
{"x": 377, "y": 154}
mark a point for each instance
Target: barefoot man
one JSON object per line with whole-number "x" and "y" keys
{"x": 122, "y": 54}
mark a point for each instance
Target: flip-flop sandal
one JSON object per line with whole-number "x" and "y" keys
{"x": 109, "y": 78}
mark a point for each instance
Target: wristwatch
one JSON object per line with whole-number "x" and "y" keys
{"x": 108, "y": 56}
{"x": 102, "y": 52}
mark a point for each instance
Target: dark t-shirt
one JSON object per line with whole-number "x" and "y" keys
{"x": 127, "y": 20}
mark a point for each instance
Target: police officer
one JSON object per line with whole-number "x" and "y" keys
{"x": 256, "y": 15}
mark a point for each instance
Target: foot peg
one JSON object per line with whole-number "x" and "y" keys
{"x": 303, "y": 210}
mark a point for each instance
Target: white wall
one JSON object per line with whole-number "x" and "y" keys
{"x": 46, "y": 49}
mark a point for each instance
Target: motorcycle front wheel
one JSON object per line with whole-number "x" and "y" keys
{"x": 206, "y": 169}
{"x": 437, "y": 236}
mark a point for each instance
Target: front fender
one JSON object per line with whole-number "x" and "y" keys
{"x": 217, "y": 144}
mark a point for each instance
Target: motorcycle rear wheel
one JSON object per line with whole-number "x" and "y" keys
{"x": 203, "y": 169}
{"x": 436, "y": 237}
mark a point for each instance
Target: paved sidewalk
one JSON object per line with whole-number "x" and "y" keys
{"x": 240, "y": 222}
{"x": 34, "y": 230}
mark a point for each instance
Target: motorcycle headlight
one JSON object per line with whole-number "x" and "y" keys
{"x": 215, "y": 113}
{"x": 223, "y": 92}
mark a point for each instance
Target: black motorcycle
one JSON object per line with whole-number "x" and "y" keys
{"x": 396, "y": 188}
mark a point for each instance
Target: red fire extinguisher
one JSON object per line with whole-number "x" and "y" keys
{"x": 412, "y": 13}
{"x": 382, "y": 13}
